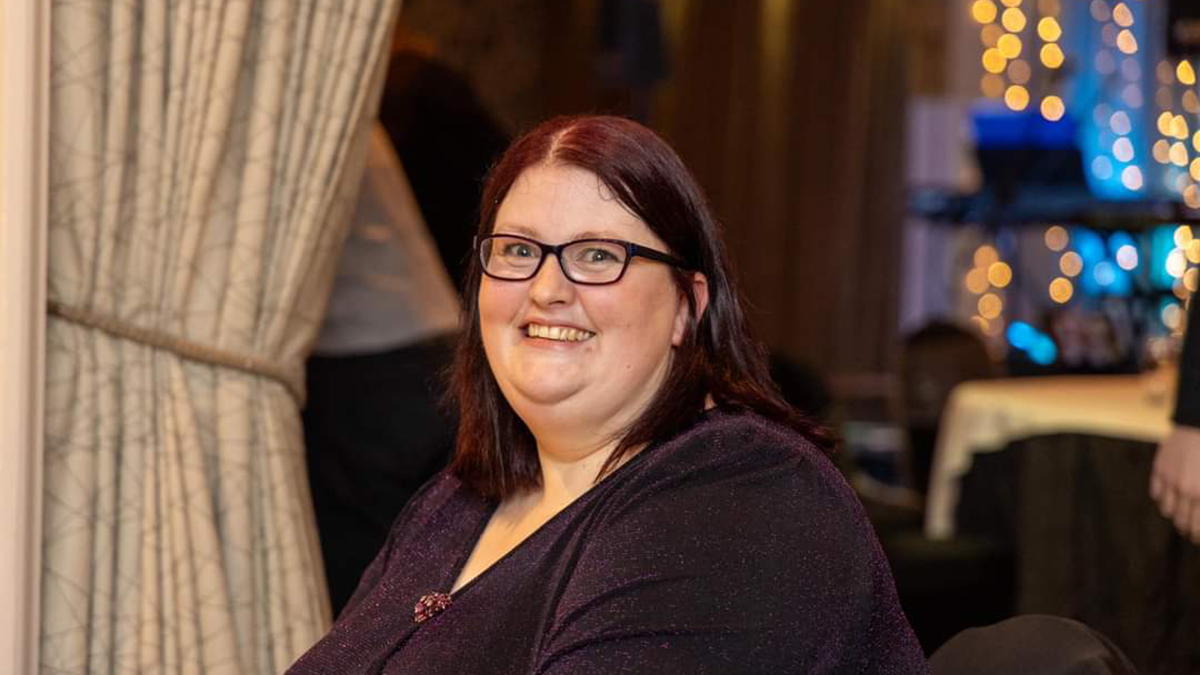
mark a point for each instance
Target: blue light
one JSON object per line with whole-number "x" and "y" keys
{"x": 1162, "y": 242}
{"x": 1105, "y": 273}
{"x": 1118, "y": 239}
{"x": 1122, "y": 283}
{"x": 1021, "y": 335}
{"x": 1089, "y": 245}
{"x": 1043, "y": 351}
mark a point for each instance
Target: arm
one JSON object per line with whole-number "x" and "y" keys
{"x": 1175, "y": 478}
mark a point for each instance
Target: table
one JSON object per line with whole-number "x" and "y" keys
{"x": 988, "y": 415}
{"x": 1058, "y": 468}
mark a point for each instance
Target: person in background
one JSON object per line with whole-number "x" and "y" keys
{"x": 629, "y": 492}
{"x": 1175, "y": 478}
{"x": 373, "y": 429}
{"x": 446, "y": 139}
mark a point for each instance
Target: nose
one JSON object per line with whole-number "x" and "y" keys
{"x": 550, "y": 286}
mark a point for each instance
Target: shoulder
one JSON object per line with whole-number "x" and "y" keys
{"x": 443, "y": 500}
{"x": 741, "y": 526}
{"x": 746, "y": 456}
{"x": 733, "y": 482}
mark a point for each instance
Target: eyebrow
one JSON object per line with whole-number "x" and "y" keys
{"x": 512, "y": 228}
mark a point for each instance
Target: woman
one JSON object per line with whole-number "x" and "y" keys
{"x": 629, "y": 495}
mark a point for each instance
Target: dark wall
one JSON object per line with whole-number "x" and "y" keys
{"x": 791, "y": 115}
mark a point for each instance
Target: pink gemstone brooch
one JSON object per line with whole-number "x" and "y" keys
{"x": 430, "y": 605}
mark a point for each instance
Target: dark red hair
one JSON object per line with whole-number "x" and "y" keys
{"x": 496, "y": 454}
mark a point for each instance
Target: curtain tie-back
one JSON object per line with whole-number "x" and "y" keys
{"x": 292, "y": 378}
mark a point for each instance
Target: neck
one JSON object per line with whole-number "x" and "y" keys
{"x": 570, "y": 466}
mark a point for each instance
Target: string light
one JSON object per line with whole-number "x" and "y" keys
{"x": 1056, "y": 238}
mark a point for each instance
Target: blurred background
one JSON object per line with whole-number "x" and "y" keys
{"x": 917, "y": 194}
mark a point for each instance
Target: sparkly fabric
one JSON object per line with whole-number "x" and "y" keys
{"x": 734, "y": 548}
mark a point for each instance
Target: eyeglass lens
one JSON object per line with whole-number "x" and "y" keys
{"x": 587, "y": 261}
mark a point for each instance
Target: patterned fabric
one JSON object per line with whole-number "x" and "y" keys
{"x": 203, "y": 156}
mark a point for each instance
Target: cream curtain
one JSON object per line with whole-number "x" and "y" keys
{"x": 203, "y": 155}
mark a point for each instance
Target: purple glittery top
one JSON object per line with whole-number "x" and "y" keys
{"x": 736, "y": 547}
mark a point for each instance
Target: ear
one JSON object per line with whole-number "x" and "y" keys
{"x": 700, "y": 293}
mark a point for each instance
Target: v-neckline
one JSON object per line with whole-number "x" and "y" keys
{"x": 490, "y": 511}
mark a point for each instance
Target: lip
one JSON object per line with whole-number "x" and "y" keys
{"x": 549, "y": 322}
{"x": 547, "y": 343}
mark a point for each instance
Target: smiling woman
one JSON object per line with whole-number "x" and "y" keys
{"x": 629, "y": 493}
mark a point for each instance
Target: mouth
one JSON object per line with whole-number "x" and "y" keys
{"x": 557, "y": 333}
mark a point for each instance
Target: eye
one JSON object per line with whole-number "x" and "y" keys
{"x": 598, "y": 255}
{"x": 519, "y": 249}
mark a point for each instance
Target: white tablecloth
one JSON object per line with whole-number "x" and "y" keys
{"x": 986, "y": 416}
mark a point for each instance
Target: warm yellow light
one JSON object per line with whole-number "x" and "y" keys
{"x": 1057, "y": 237}
{"x": 1190, "y": 102}
{"x": 999, "y": 274}
{"x": 1191, "y": 196}
{"x": 986, "y": 255}
{"x": 1122, "y": 16}
{"x": 1061, "y": 290}
{"x": 1122, "y": 149}
{"x": 1184, "y": 72}
{"x": 1011, "y": 3}
{"x": 983, "y": 11}
{"x": 1172, "y": 316}
{"x": 1178, "y": 154}
{"x": 1016, "y": 97}
{"x": 1126, "y": 42}
{"x": 1179, "y": 290}
{"x": 1009, "y": 45}
{"x": 992, "y": 85}
{"x": 1119, "y": 123}
{"x": 976, "y": 280}
{"x": 1127, "y": 257}
{"x": 1193, "y": 251}
{"x": 1194, "y": 169}
{"x": 1048, "y": 29}
{"x": 989, "y": 34}
{"x": 994, "y": 61}
{"x": 990, "y": 305}
{"x": 1162, "y": 151}
{"x": 1182, "y": 236}
{"x": 1189, "y": 279}
{"x": 1052, "y": 108}
{"x": 1018, "y": 71}
{"x": 1176, "y": 263}
{"x": 1070, "y": 263}
{"x": 1051, "y": 55}
{"x": 1179, "y": 127}
{"x": 1131, "y": 178}
{"x": 1013, "y": 20}
{"x": 980, "y": 323}
{"x": 1164, "y": 123}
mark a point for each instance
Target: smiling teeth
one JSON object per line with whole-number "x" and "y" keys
{"x": 557, "y": 333}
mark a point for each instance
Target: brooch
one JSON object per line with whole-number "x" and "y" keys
{"x": 430, "y": 605}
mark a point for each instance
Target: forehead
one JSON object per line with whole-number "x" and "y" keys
{"x": 555, "y": 203}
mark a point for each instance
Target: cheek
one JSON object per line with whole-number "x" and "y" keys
{"x": 497, "y": 303}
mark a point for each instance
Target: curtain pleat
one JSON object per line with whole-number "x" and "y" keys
{"x": 204, "y": 157}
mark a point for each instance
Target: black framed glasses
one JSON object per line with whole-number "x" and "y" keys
{"x": 591, "y": 262}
